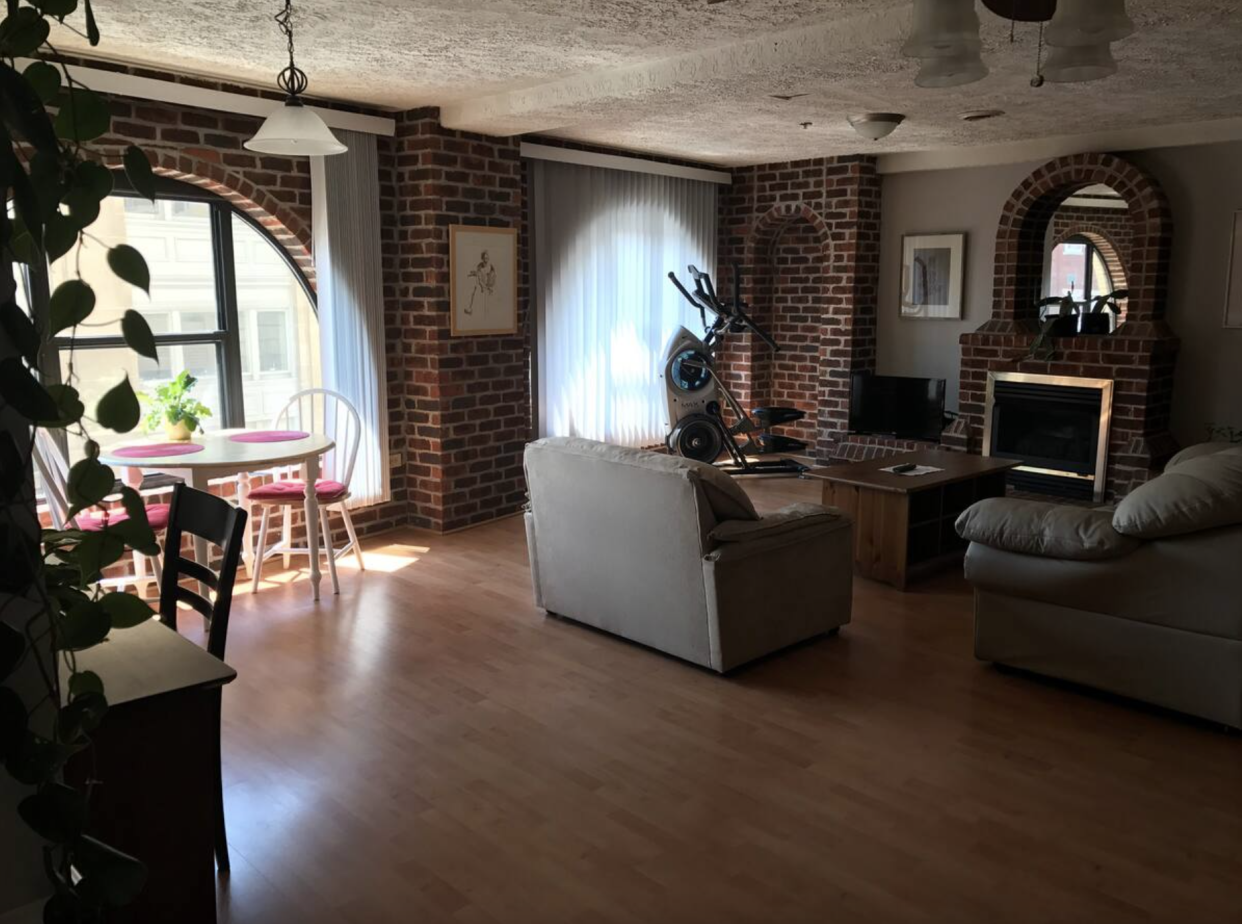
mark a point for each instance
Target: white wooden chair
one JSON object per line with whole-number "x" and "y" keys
{"x": 315, "y": 410}
{"x": 54, "y": 470}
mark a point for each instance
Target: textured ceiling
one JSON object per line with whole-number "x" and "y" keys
{"x": 685, "y": 78}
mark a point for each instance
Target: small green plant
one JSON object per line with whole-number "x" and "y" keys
{"x": 173, "y": 406}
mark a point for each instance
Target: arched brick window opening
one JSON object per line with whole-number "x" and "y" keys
{"x": 1109, "y": 253}
{"x": 1022, "y": 232}
{"x": 282, "y": 223}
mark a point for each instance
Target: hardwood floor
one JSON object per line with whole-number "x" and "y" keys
{"x": 429, "y": 747}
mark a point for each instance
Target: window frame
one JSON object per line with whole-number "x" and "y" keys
{"x": 1090, "y": 255}
{"x": 227, "y": 336}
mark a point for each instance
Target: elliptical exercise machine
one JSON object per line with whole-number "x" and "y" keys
{"x": 697, "y": 429}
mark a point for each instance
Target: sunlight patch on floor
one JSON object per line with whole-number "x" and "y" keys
{"x": 386, "y": 559}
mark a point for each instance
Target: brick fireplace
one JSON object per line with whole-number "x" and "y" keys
{"x": 1139, "y": 358}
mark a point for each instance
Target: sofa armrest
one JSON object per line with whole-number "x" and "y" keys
{"x": 790, "y": 523}
{"x": 1044, "y": 529}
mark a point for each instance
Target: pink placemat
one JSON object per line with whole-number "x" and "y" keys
{"x": 268, "y": 436}
{"x": 154, "y": 450}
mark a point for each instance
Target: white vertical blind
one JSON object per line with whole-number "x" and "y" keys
{"x": 346, "y": 222}
{"x": 605, "y": 241}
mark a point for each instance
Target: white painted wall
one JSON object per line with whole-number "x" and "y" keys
{"x": 1204, "y": 188}
{"x": 931, "y": 201}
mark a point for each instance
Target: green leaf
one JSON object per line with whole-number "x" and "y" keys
{"x": 118, "y": 409}
{"x": 95, "y": 552}
{"x": 83, "y": 115}
{"x": 59, "y": 235}
{"x": 56, "y": 813}
{"x": 12, "y": 722}
{"x": 92, "y": 28}
{"x": 92, "y": 183}
{"x": 21, "y": 330}
{"x": 129, "y": 265}
{"x": 22, "y": 32}
{"x": 115, "y": 877}
{"x": 69, "y": 407}
{"x": 83, "y": 626}
{"x": 71, "y": 304}
{"x": 136, "y": 530}
{"x": 58, "y": 8}
{"x": 44, "y": 79}
{"x": 83, "y": 682}
{"x": 19, "y": 388}
{"x": 90, "y": 481}
{"x": 35, "y": 760}
{"x": 23, "y": 111}
{"x": 12, "y": 647}
{"x": 81, "y": 716}
{"x": 138, "y": 170}
{"x": 138, "y": 336}
{"x": 125, "y": 610}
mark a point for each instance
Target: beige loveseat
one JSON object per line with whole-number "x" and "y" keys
{"x": 670, "y": 553}
{"x": 1144, "y": 601}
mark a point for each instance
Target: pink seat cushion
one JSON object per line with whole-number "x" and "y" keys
{"x": 157, "y": 516}
{"x": 292, "y": 490}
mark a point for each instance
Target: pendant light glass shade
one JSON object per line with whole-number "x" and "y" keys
{"x": 937, "y": 73}
{"x": 1079, "y": 64}
{"x": 942, "y": 29}
{"x": 1088, "y": 22}
{"x": 295, "y": 130}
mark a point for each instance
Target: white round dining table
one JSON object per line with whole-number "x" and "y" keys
{"x": 222, "y": 457}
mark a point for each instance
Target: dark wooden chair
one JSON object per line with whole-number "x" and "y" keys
{"x": 196, "y": 513}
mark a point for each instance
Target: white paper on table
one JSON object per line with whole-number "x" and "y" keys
{"x": 917, "y": 470}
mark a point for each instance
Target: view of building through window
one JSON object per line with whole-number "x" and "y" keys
{"x": 245, "y": 328}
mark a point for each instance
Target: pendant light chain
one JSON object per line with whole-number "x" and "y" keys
{"x": 292, "y": 79}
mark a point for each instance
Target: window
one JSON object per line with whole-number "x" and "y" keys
{"x": 226, "y": 304}
{"x": 1078, "y": 268}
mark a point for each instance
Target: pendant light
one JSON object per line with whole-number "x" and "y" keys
{"x": 954, "y": 71}
{"x": 1088, "y": 22}
{"x": 945, "y": 36}
{"x": 941, "y": 28}
{"x": 1079, "y": 63}
{"x": 293, "y": 129}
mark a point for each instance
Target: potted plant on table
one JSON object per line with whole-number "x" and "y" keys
{"x": 174, "y": 407}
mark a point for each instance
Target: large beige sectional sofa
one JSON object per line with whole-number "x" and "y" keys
{"x": 1144, "y": 600}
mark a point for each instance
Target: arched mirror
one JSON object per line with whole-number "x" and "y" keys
{"x": 1086, "y": 258}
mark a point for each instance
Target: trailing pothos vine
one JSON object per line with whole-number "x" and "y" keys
{"x": 51, "y": 604}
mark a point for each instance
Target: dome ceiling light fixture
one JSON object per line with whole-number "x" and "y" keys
{"x": 876, "y": 125}
{"x": 293, "y": 129}
{"x": 944, "y": 36}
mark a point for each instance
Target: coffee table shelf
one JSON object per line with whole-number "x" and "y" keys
{"x": 904, "y": 525}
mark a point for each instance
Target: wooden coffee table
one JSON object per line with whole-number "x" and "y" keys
{"x": 903, "y": 525}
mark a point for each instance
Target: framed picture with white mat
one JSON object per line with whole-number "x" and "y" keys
{"x": 931, "y": 276}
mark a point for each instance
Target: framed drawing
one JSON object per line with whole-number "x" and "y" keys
{"x": 1233, "y": 285}
{"x": 931, "y": 275}
{"x": 483, "y": 274}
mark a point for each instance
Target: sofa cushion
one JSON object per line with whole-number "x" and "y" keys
{"x": 725, "y": 497}
{"x": 789, "y": 519}
{"x": 1197, "y": 450}
{"x": 1201, "y": 493}
{"x": 1044, "y": 529}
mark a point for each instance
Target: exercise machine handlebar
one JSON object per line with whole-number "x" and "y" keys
{"x": 733, "y": 315}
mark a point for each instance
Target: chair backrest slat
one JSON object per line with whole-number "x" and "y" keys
{"x": 206, "y": 516}
{"x": 321, "y": 410}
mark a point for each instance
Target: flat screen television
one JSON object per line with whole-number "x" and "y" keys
{"x": 894, "y": 405}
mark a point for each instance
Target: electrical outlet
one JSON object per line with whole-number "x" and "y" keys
{"x": 394, "y": 460}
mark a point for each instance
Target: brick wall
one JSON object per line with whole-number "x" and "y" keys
{"x": 1112, "y": 226}
{"x": 465, "y": 407}
{"x": 830, "y": 207}
{"x": 1139, "y": 357}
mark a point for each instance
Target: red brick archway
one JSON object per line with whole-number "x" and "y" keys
{"x": 1020, "y": 237}
{"x": 285, "y": 226}
{"x": 837, "y": 325}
